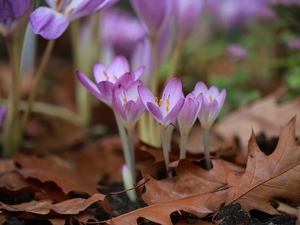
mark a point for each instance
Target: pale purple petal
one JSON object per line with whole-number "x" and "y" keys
{"x": 173, "y": 113}
{"x": 106, "y": 89}
{"x": 173, "y": 91}
{"x": 187, "y": 15}
{"x": 11, "y": 11}
{"x": 139, "y": 72}
{"x": 99, "y": 72}
{"x": 200, "y": 87}
{"x": 88, "y": 84}
{"x": 153, "y": 13}
{"x": 84, "y": 8}
{"x": 188, "y": 115}
{"x": 117, "y": 105}
{"x": 48, "y": 23}
{"x": 118, "y": 66}
{"x": 146, "y": 95}
{"x": 208, "y": 113}
{"x": 155, "y": 111}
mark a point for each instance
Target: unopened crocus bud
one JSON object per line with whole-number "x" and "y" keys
{"x": 212, "y": 102}
{"x": 11, "y": 11}
{"x": 186, "y": 15}
{"x": 153, "y": 13}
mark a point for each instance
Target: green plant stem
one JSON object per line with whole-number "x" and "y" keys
{"x": 183, "y": 141}
{"x": 11, "y": 120}
{"x": 206, "y": 148}
{"x": 127, "y": 153}
{"x": 175, "y": 60}
{"x": 48, "y": 109}
{"x": 36, "y": 82}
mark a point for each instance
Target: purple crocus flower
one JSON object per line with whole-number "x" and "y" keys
{"x": 189, "y": 113}
{"x": 212, "y": 102}
{"x": 3, "y": 111}
{"x": 106, "y": 77}
{"x": 153, "y": 13}
{"x": 237, "y": 51}
{"x": 186, "y": 15}
{"x": 117, "y": 23}
{"x": 126, "y": 101}
{"x": 167, "y": 108}
{"x": 142, "y": 54}
{"x": 11, "y": 11}
{"x": 51, "y": 22}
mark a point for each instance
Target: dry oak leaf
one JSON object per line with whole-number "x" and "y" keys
{"x": 160, "y": 213}
{"x": 268, "y": 177}
{"x": 239, "y": 123}
{"x": 44, "y": 207}
{"x": 208, "y": 187}
{"x": 42, "y": 170}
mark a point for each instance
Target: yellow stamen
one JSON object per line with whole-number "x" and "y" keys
{"x": 156, "y": 99}
{"x": 168, "y": 104}
{"x": 125, "y": 71}
{"x": 124, "y": 99}
{"x": 160, "y": 102}
{"x": 210, "y": 98}
{"x": 116, "y": 78}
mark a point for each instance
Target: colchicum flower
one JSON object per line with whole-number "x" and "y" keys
{"x": 126, "y": 100}
{"x": 106, "y": 78}
{"x": 189, "y": 113}
{"x": 186, "y": 15}
{"x": 166, "y": 109}
{"x": 51, "y": 22}
{"x": 186, "y": 119}
{"x": 212, "y": 102}
{"x": 11, "y": 11}
{"x": 153, "y": 13}
{"x": 115, "y": 24}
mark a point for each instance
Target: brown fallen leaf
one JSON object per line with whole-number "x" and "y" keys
{"x": 44, "y": 207}
{"x": 209, "y": 187}
{"x": 42, "y": 170}
{"x": 262, "y": 116}
{"x": 160, "y": 213}
{"x": 268, "y": 177}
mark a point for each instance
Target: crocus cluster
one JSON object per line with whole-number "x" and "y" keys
{"x": 124, "y": 92}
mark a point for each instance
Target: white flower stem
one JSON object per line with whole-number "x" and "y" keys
{"x": 130, "y": 136}
{"x": 127, "y": 154}
{"x": 165, "y": 145}
{"x": 206, "y": 148}
{"x": 183, "y": 141}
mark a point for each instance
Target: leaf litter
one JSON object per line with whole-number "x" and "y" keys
{"x": 56, "y": 193}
